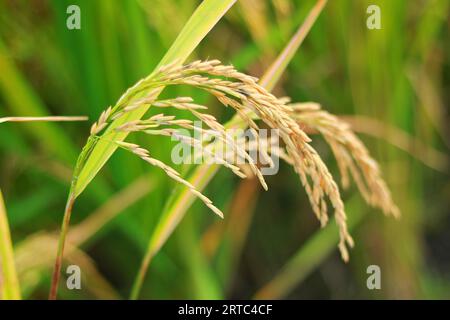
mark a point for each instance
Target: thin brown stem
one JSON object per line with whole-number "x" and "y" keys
{"x": 43, "y": 119}
{"x": 60, "y": 252}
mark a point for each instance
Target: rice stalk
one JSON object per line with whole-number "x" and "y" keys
{"x": 242, "y": 93}
{"x": 351, "y": 155}
{"x": 245, "y": 96}
{"x": 316, "y": 188}
{"x": 172, "y": 173}
{"x": 251, "y": 102}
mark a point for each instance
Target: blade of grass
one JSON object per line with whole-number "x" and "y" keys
{"x": 10, "y": 289}
{"x": 201, "y": 22}
{"x": 204, "y": 173}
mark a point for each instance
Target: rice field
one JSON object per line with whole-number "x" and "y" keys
{"x": 96, "y": 97}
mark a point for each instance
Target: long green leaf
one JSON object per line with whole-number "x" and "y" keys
{"x": 10, "y": 284}
{"x": 198, "y": 26}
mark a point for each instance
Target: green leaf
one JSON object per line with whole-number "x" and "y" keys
{"x": 198, "y": 26}
{"x": 10, "y": 289}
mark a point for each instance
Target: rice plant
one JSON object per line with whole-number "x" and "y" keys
{"x": 242, "y": 93}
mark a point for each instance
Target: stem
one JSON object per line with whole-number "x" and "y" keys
{"x": 61, "y": 244}
{"x": 92, "y": 140}
{"x": 43, "y": 119}
{"x": 140, "y": 277}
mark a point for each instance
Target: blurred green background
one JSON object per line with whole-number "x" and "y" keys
{"x": 396, "y": 80}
